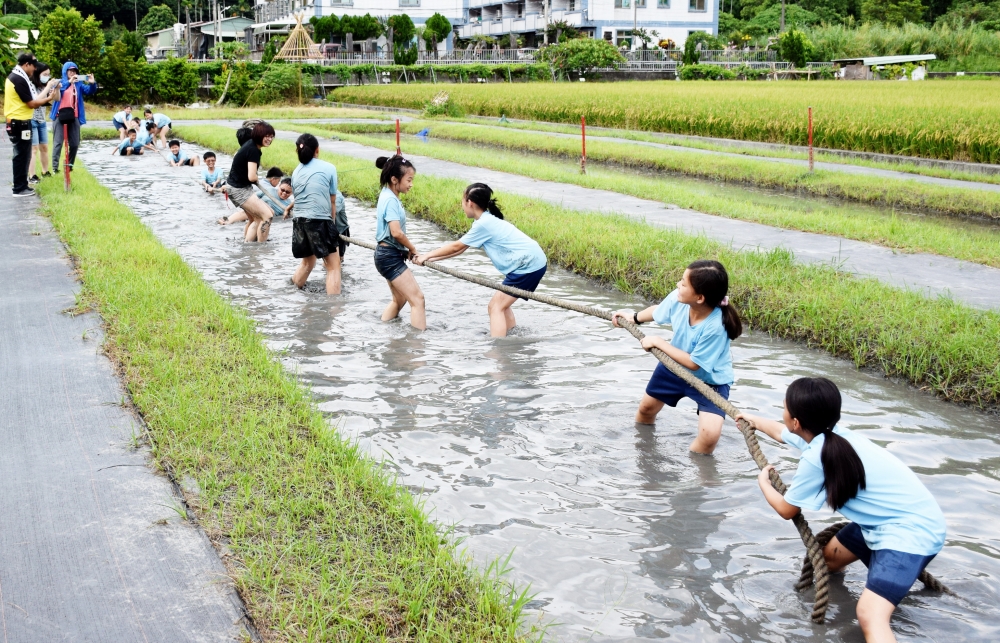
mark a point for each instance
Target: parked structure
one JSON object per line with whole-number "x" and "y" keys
{"x": 867, "y": 68}
{"x": 203, "y": 37}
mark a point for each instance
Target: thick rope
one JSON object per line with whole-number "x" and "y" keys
{"x": 818, "y": 573}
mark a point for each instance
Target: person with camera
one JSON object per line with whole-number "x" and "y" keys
{"x": 68, "y": 112}
{"x": 21, "y": 97}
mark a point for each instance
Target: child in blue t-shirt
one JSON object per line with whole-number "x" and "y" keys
{"x": 704, "y": 323}
{"x": 513, "y": 253}
{"x": 394, "y": 247}
{"x": 178, "y": 158}
{"x": 212, "y": 178}
{"x": 896, "y": 525}
{"x": 129, "y": 147}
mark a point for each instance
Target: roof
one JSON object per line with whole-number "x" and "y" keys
{"x": 887, "y": 60}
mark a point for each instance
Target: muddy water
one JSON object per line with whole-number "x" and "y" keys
{"x": 527, "y": 444}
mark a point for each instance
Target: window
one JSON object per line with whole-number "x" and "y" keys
{"x": 697, "y": 5}
{"x": 409, "y": 3}
{"x": 640, "y": 4}
{"x": 572, "y": 5}
{"x": 622, "y": 4}
{"x": 663, "y": 4}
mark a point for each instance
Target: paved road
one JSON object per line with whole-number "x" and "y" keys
{"x": 82, "y": 554}
{"x": 969, "y": 283}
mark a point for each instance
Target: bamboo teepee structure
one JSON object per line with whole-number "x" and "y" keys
{"x": 299, "y": 47}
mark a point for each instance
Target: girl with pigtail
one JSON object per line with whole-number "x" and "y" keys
{"x": 704, "y": 324}
{"x": 896, "y": 526}
{"x": 515, "y": 254}
{"x": 394, "y": 247}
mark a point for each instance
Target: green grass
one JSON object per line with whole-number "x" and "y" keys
{"x": 325, "y": 545}
{"x": 765, "y": 174}
{"x": 936, "y": 344}
{"x": 707, "y": 144}
{"x": 269, "y": 112}
{"x": 973, "y": 241}
{"x": 954, "y": 120}
{"x": 97, "y": 133}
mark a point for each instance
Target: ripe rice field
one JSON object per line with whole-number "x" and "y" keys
{"x": 957, "y": 120}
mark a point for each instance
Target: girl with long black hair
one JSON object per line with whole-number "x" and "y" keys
{"x": 897, "y": 527}
{"x": 515, "y": 254}
{"x": 704, "y": 323}
{"x": 314, "y": 233}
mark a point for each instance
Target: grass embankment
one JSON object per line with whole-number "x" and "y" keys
{"x": 972, "y": 241}
{"x": 324, "y": 544}
{"x": 271, "y": 112}
{"x": 873, "y": 190}
{"x": 936, "y": 120}
{"x": 934, "y": 343}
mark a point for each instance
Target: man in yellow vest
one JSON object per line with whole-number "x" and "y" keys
{"x": 20, "y": 98}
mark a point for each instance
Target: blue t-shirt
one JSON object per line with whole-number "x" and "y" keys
{"x": 161, "y": 120}
{"x": 510, "y": 250}
{"x": 277, "y": 204}
{"x": 136, "y": 146}
{"x": 180, "y": 156}
{"x": 894, "y": 510}
{"x": 390, "y": 208}
{"x": 312, "y": 185}
{"x": 144, "y": 138}
{"x": 342, "y": 224}
{"x": 211, "y": 177}
{"x": 122, "y": 117}
{"x": 706, "y": 342}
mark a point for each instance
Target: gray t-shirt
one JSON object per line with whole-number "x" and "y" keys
{"x": 312, "y": 185}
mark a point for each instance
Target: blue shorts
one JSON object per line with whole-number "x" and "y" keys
{"x": 891, "y": 573}
{"x": 527, "y": 281}
{"x": 669, "y": 389}
{"x": 118, "y": 125}
{"x": 39, "y": 133}
{"x": 390, "y": 261}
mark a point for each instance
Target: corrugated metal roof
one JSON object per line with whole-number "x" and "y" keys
{"x": 887, "y": 60}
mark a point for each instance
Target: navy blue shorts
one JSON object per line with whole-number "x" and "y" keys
{"x": 891, "y": 573}
{"x": 390, "y": 261}
{"x": 669, "y": 389}
{"x": 527, "y": 281}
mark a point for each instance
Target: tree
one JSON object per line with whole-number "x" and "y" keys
{"x": 158, "y": 17}
{"x": 794, "y": 47}
{"x": 7, "y": 57}
{"x": 436, "y": 30}
{"x": 769, "y": 21}
{"x": 691, "y": 55}
{"x": 892, "y": 12}
{"x": 122, "y": 75}
{"x": 360, "y": 27}
{"x": 135, "y": 44}
{"x": 581, "y": 55}
{"x": 65, "y": 35}
{"x": 176, "y": 81}
{"x": 325, "y": 28}
{"x": 403, "y": 30}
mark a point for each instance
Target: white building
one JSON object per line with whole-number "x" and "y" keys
{"x": 608, "y": 19}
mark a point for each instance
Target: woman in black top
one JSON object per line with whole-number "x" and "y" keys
{"x": 242, "y": 178}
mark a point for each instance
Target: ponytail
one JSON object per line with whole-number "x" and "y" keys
{"x": 815, "y": 402}
{"x": 482, "y": 195}
{"x": 393, "y": 167}
{"x": 305, "y": 147}
{"x": 710, "y": 280}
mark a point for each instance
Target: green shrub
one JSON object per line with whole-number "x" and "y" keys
{"x": 703, "y": 72}
{"x": 794, "y": 47}
{"x": 405, "y": 57}
{"x": 581, "y": 55}
{"x": 281, "y": 83}
{"x": 691, "y": 55}
{"x": 122, "y": 76}
{"x": 175, "y": 81}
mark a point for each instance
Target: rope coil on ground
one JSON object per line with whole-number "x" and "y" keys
{"x": 814, "y": 570}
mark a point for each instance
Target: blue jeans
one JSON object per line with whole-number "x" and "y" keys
{"x": 39, "y": 133}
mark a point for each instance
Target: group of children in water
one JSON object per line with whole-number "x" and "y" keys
{"x": 897, "y": 527}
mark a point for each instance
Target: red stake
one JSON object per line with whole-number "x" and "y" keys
{"x": 583, "y": 140}
{"x": 810, "y": 139}
{"x": 398, "y": 152}
{"x": 66, "y": 161}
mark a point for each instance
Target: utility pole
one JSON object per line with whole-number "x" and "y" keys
{"x": 782, "y": 28}
{"x": 635, "y": 21}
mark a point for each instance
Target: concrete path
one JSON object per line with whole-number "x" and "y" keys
{"x": 91, "y": 548}
{"x": 969, "y": 283}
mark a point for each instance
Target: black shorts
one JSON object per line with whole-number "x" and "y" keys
{"x": 314, "y": 237}
{"x": 343, "y": 244}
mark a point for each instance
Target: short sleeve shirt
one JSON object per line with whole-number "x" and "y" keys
{"x": 342, "y": 225}
{"x": 211, "y": 177}
{"x": 136, "y": 146}
{"x": 121, "y": 117}
{"x": 239, "y": 172}
{"x": 180, "y": 156}
{"x": 894, "y": 510}
{"x": 510, "y": 250}
{"x": 706, "y": 342}
{"x": 313, "y": 184}
{"x": 161, "y": 120}
{"x": 144, "y": 138}
{"x": 390, "y": 208}
{"x": 277, "y": 204}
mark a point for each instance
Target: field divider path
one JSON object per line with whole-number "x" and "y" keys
{"x": 970, "y": 283}
{"x": 846, "y": 168}
{"x": 95, "y": 545}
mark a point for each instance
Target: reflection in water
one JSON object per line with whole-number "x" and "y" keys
{"x": 528, "y": 443}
